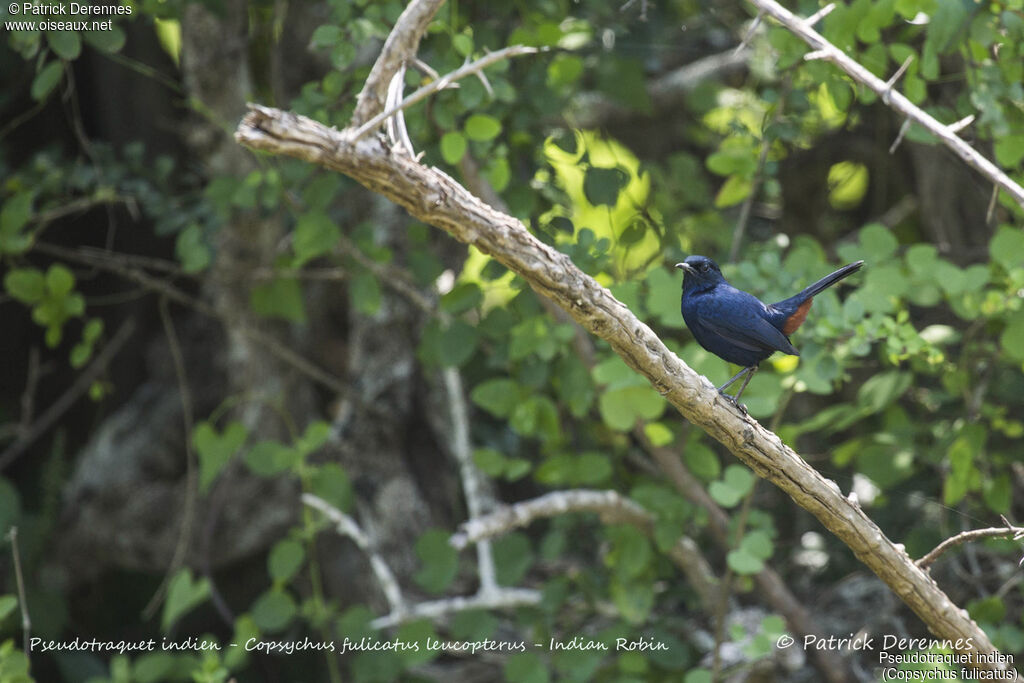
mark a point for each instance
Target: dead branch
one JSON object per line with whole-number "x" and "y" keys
{"x": 1015, "y": 532}
{"x": 433, "y": 197}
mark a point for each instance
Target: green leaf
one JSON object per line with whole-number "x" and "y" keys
{"x": 731, "y": 489}
{"x": 473, "y": 624}
{"x": 601, "y": 186}
{"x": 481, "y": 127}
{"x": 664, "y": 289}
{"x": 8, "y": 603}
{"x": 742, "y": 562}
{"x": 1009, "y": 150}
{"x": 326, "y": 36}
{"x": 513, "y": 557}
{"x": 215, "y": 450}
{"x": 536, "y": 416}
{"x": 457, "y": 344}
{"x": 498, "y": 172}
{"x": 270, "y": 458}
{"x": 285, "y": 559}
{"x": 27, "y": 285}
{"x": 526, "y": 667}
{"x": 279, "y": 298}
{"x": 490, "y": 461}
{"x": 192, "y": 250}
{"x": 630, "y": 554}
{"x": 633, "y": 599}
{"x": 878, "y": 243}
{"x": 46, "y": 80}
{"x": 453, "y": 147}
{"x": 417, "y": 631}
{"x": 1012, "y": 337}
{"x": 153, "y": 667}
{"x": 621, "y": 408}
{"x": 440, "y": 561}
{"x": 882, "y": 389}
{"x": 316, "y": 435}
{"x": 588, "y": 469}
{"x": 733, "y": 191}
{"x": 273, "y": 610}
{"x": 497, "y": 396}
{"x": 183, "y": 595}
{"x": 315, "y": 235}
{"x": 364, "y": 293}
{"x": 330, "y": 482}
{"x": 997, "y": 494}
{"x": 701, "y": 460}
{"x": 758, "y": 543}
{"x": 463, "y": 297}
{"x": 13, "y": 217}
{"x": 66, "y": 44}
{"x": 1007, "y": 247}
{"x": 110, "y": 40}
{"x": 59, "y": 280}
{"x": 659, "y": 434}
{"x": 564, "y": 70}
{"x": 573, "y": 385}
{"x": 961, "y": 461}
{"x": 463, "y": 44}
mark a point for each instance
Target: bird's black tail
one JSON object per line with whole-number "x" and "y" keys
{"x": 819, "y": 286}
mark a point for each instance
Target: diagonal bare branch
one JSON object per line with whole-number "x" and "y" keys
{"x": 435, "y": 198}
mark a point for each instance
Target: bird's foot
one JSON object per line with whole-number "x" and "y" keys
{"x": 732, "y": 399}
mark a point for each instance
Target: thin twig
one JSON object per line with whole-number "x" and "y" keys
{"x": 612, "y": 508}
{"x": 346, "y": 526}
{"x": 398, "y": 134}
{"x": 610, "y": 505}
{"x": 899, "y": 136}
{"x": 70, "y": 396}
{"x": 399, "y": 48}
{"x": 819, "y": 15}
{"x": 957, "y": 126}
{"x": 889, "y": 84}
{"x": 755, "y": 185}
{"x": 19, "y": 579}
{"x": 501, "y": 598}
{"x": 191, "y": 488}
{"x": 991, "y": 205}
{"x": 1016, "y": 532}
{"x": 750, "y": 33}
{"x": 477, "y": 500}
{"x": 28, "y": 397}
{"x": 441, "y": 83}
{"x": 822, "y": 48}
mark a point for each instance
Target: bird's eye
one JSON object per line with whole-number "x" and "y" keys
{"x": 704, "y": 267}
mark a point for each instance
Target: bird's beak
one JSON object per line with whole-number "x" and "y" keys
{"x": 686, "y": 267}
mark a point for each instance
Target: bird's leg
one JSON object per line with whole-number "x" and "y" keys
{"x": 749, "y": 372}
{"x": 735, "y": 377}
{"x": 753, "y": 369}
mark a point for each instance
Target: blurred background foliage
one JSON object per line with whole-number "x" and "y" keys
{"x": 121, "y": 192}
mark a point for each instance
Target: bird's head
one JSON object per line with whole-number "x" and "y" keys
{"x": 699, "y": 272}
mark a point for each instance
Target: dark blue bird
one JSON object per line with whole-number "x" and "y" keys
{"x": 737, "y": 326}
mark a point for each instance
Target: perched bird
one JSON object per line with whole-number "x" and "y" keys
{"x": 737, "y": 326}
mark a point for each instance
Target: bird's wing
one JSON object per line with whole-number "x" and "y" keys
{"x": 741, "y": 319}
